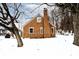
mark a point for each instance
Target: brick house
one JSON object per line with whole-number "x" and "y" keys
{"x": 39, "y": 27}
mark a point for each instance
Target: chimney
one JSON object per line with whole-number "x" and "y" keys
{"x": 45, "y": 12}
{"x": 46, "y": 26}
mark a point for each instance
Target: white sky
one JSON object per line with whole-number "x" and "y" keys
{"x": 40, "y": 1}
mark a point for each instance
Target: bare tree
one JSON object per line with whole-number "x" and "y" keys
{"x": 74, "y": 9}
{"x": 6, "y": 19}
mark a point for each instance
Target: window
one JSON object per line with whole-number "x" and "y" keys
{"x": 52, "y": 30}
{"x": 31, "y": 30}
{"x": 41, "y": 30}
{"x": 38, "y": 19}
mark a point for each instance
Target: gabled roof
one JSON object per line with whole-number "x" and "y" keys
{"x": 38, "y": 15}
{"x": 28, "y": 21}
{"x": 51, "y": 23}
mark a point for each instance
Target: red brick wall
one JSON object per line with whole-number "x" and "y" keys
{"x": 44, "y": 23}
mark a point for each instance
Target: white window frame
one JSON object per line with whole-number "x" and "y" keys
{"x": 52, "y": 29}
{"x": 41, "y": 30}
{"x": 31, "y": 28}
{"x": 38, "y": 19}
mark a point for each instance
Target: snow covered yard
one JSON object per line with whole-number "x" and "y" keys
{"x": 58, "y": 46}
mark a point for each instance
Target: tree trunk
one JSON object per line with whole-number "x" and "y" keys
{"x": 18, "y": 37}
{"x": 76, "y": 28}
{"x": 19, "y": 40}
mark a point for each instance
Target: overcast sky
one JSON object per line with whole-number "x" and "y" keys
{"x": 31, "y": 10}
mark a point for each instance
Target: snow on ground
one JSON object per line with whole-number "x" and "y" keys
{"x": 58, "y": 46}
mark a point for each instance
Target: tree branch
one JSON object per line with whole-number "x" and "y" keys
{"x": 17, "y": 10}
{"x": 7, "y": 23}
{"x": 1, "y": 11}
{"x": 36, "y": 8}
{"x": 8, "y": 28}
{"x": 49, "y": 4}
{"x": 6, "y": 9}
{"x": 18, "y": 15}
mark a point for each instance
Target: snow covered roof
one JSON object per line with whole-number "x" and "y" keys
{"x": 28, "y": 21}
{"x": 38, "y": 15}
{"x": 51, "y": 23}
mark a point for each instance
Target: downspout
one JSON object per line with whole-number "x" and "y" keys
{"x": 43, "y": 27}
